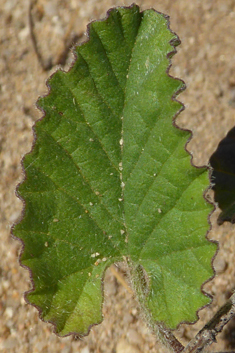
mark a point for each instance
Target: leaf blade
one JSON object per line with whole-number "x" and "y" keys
{"x": 157, "y": 174}
{"x": 104, "y": 152}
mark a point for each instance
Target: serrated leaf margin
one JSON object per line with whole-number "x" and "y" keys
{"x": 176, "y": 41}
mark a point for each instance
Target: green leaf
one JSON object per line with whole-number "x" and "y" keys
{"x": 223, "y": 177}
{"x": 109, "y": 178}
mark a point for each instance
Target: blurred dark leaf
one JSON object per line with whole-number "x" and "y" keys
{"x": 223, "y": 177}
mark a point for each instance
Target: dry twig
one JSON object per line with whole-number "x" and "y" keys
{"x": 68, "y": 42}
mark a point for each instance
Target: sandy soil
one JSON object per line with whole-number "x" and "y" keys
{"x": 206, "y": 62}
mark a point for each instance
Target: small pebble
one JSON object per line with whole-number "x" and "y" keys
{"x": 124, "y": 347}
{"x": 219, "y": 264}
{"x": 66, "y": 350}
{"x": 9, "y": 312}
{"x": 128, "y": 318}
{"x": 85, "y": 350}
{"x": 51, "y": 8}
{"x": 110, "y": 288}
{"x": 24, "y": 33}
{"x": 10, "y": 343}
{"x": 134, "y": 337}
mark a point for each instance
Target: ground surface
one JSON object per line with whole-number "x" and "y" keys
{"x": 206, "y": 61}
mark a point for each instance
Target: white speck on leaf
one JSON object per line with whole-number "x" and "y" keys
{"x": 147, "y": 63}
{"x": 95, "y": 254}
{"x": 97, "y": 262}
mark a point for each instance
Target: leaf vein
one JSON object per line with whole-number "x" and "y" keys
{"x": 162, "y": 218}
{"x": 77, "y": 201}
{"x": 89, "y": 125}
{"x": 106, "y": 55}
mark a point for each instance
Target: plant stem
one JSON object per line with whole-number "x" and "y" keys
{"x": 208, "y": 334}
{"x": 169, "y": 339}
{"x": 204, "y": 338}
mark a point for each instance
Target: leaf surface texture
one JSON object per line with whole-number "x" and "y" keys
{"x": 109, "y": 178}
